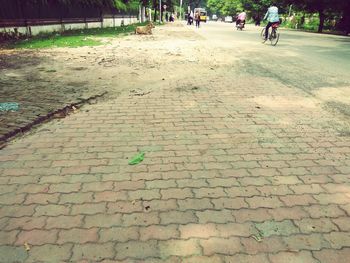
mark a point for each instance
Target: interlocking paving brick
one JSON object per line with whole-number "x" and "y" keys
{"x": 137, "y": 249}
{"x": 8, "y": 237}
{"x": 77, "y": 236}
{"x": 235, "y": 229}
{"x": 254, "y": 215}
{"x": 93, "y": 252}
{"x": 317, "y": 211}
{"x": 119, "y": 234}
{"x": 12, "y": 254}
{"x": 264, "y": 202}
{"x": 308, "y": 225}
{"x": 175, "y": 247}
{"x": 244, "y": 258}
{"x": 177, "y": 193}
{"x": 343, "y": 223}
{"x": 292, "y": 257}
{"x": 215, "y": 216}
{"x": 25, "y": 223}
{"x": 51, "y": 210}
{"x": 215, "y": 245}
{"x": 177, "y": 217}
{"x": 37, "y": 237}
{"x": 159, "y": 232}
{"x": 144, "y": 194}
{"x": 160, "y": 205}
{"x": 204, "y": 259}
{"x": 64, "y": 222}
{"x": 306, "y": 242}
{"x": 124, "y": 207}
{"x": 141, "y": 219}
{"x": 247, "y": 191}
{"x": 274, "y": 228}
{"x": 338, "y": 239}
{"x": 48, "y": 252}
{"x": 229, "y": 203}
{"x": 294, "y": 200}
{"x": 282, "y": 213}
{"x": 331, "y": 255}
{"x": 198, "y": 231}
{"x": 88, "y": 209}
{"x": 209, "y": 192}
{"x": 267, "y": 245}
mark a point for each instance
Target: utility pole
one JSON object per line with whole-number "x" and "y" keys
{"x": 160, "y": 11}
{"x": 180, "y": 9}
{"x": 290, "y": 9}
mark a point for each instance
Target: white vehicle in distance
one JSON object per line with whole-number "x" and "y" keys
{"x": 214, "y": 17}
{"x": 228, "y": 19}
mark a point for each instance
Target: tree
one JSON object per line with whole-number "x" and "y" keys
{"x": 215, "y": 6}
{"x": 224, "y": 7}
{"x": 256, "y": 6}
{"x": 322, "y": 7}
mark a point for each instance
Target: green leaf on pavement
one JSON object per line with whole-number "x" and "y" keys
{"x": 137, "y": 158}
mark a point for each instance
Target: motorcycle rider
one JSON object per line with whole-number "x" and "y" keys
{"x": 241, "y": 18}
{"x": 272, "y": 18}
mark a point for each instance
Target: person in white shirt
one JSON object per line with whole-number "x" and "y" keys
{"x": 272, "y": 18}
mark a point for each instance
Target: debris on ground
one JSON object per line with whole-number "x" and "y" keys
{"x": 137, "y": 158}
{"x": 26, "y": 246}
{"x": 257, "y": 238}
{"x": 139, "y": 93}
{"x": 9, "y": 106}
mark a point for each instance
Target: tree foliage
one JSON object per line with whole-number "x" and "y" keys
{"x": 324, "y": 8}
{"x": 224, "y": 7}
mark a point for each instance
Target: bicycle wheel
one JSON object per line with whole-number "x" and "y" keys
{"x": 262, "y": 35}
{"x": 275, "y": 36}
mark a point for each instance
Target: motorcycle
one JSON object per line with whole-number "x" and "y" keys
{"x": 240, "y": 26}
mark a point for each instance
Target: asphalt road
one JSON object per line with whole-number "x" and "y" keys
{"x": 304, "y": 60}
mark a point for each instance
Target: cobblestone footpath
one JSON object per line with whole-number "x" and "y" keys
{"x": 227, "y": 177}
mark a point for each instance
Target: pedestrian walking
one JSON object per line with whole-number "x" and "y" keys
{"x": 257, "y": 20}
{"x": 190, "y": 18}
{"x": 197, "y": 18}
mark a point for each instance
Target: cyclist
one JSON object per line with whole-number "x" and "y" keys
{"x": 272, "y": 18}
{"x": 241, "y": 18}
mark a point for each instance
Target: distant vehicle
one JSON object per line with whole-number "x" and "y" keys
{"x": 228, "y": 19}
{"x": 202, "y": 14}
{"x": 214, "y": 18}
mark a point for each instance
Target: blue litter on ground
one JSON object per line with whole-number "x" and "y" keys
{"x": 9, "y": 106}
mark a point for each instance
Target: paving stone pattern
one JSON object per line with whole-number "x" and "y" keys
{"x": 225, "y": 179}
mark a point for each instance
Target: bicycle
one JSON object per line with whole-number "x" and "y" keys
{"x": 273, "y": 36}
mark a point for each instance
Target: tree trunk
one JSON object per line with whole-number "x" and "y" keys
{"x": 322, "y": 19}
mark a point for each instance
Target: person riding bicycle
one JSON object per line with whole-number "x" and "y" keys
{"x": 272, "y": 18}
{"x": 241, "y": 18}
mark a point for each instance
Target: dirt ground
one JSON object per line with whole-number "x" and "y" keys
{"x": 174, "y": 57}
{"x": 43, "y": 81}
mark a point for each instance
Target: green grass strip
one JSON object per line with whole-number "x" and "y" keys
{"x": 74, "y": 38}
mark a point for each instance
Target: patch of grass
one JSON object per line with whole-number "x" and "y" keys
{"x": 57, "y": 41}
{"x": 74, "y": 38}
